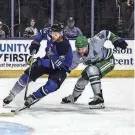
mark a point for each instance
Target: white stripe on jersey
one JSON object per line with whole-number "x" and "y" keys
{"x": 109, "y": 35}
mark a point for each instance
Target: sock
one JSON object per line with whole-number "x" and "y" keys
{"x": 77, "y": 91}
{"x": 20, "y": 84}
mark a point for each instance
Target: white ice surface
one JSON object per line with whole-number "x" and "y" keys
{"x": 50, "y": 117}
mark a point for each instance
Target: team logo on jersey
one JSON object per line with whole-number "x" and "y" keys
{"x": 95, "y": 53}
{"x": 81, "y": 59}
{"x": 8, "y": 128}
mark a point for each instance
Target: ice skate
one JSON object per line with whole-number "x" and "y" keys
{"x": 8, "y": 99}
{"x": 97, "y": 102}
{"x": 69, "y": 99}
{"x": 30, "y": 99}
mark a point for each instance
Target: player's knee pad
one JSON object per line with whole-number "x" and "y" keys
{"x": 50, "y": 86}
{"x": 92, "y": 70}
{"x": 59, "y": 78}
{"x": 93, "y": 74}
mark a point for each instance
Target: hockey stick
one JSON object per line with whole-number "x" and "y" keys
{"x": 7, "y": 114}
{"x": 31, "y": 62}
{"x": 25, "y": 107}
{"x": 26, "y": 89}
{"x": 52, "y": 64}
{"x": 16, "y": 111}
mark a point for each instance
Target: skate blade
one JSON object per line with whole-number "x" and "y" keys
{"x": 99, "y": 106}
{"x": 67, "y": 103}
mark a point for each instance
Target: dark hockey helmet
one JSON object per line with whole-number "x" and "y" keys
{"x": 58, "y": 27}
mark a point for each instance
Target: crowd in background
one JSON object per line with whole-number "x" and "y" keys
{"x": 70, "y": 30}
{"x": 31, "y": 31}
{"x": 116, "y": 16}
{"x": 127, "y": 18}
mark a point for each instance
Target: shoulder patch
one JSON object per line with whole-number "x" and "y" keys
{"x": 101, "y": 35}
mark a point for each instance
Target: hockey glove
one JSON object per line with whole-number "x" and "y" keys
{"x": 34, "y": 61}
{"x": 34, "y": 47}
{"x": 120, "y": 43}
{"x": 68, "y": 72}
{"x": 30, "y": 60}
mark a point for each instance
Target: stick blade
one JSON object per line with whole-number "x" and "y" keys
{"x": 7, "y": 114}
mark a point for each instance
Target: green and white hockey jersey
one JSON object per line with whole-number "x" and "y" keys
{"x": 96, "y": 50}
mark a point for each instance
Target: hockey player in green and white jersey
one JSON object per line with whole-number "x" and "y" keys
{"x": 99, "y": 61}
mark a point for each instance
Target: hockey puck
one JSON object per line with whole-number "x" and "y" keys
{"x": 12, "y": 110}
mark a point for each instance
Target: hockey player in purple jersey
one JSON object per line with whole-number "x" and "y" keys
{"x": 55, "y": 64}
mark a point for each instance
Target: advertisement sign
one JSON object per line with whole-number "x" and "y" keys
{"x": 14, "y": 54}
